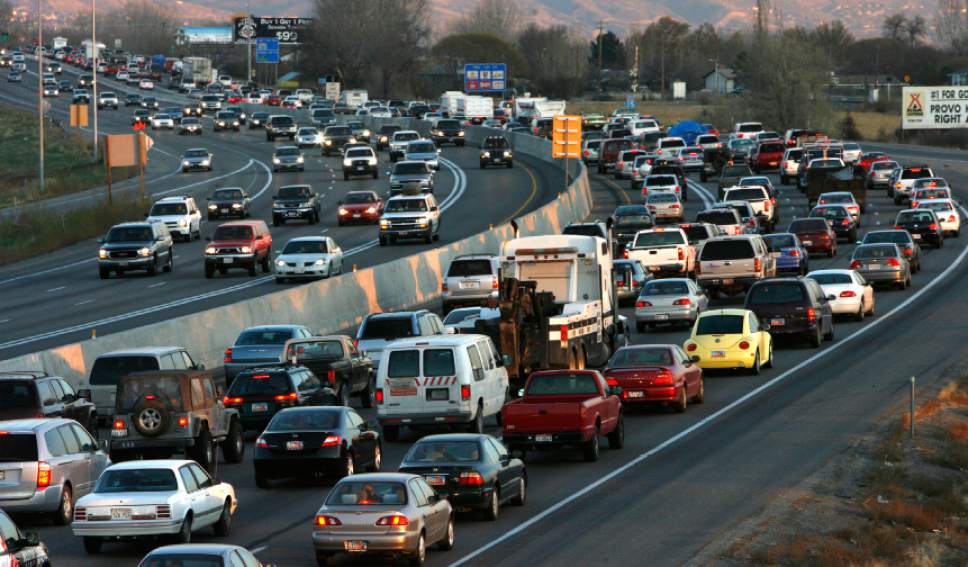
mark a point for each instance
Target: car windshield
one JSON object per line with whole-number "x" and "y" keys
{"x": 409, "y": 168}
{"x": 136, "y": 480}
{"x": 226, "y": 115}
{"x": 633, "y": 220}
{"x": 458, "y": 315}
{"x": 807, "y": 225}
{"x": 130, "y": 234}
{"x": 448, "y": 124}
{"x": 263, "y": 337}
{"x": 172, "y": 559}
{"x": 421, "y": 148}
{"x": 444, "y": 452}
{"x": 288, "y": 152}
{"x": 916, "y": 173}
{"x": 777, "y": 242}
{"x": 583, "y": 230}
{"x": 915, "y": 217}
{"x": 161, "y": 209}
{"x": 165, "y": 389}
{"x": 388, "y": 328}
{"x": 306, "y": 247}
{"x": 359, "y": 152}
{"x": 745, "y": 195}
{"x": 883, "y": 165}
{"x": 647, "y": 239}
{"x": 282, "y": 121}
{"x": 227, "y": 194}
{"x": 775, "y": 293}
{"x": 406, "y": 206}
{"x": 468, "y": 268}
{"x": 831, "y": 278}
{"x": 662, "y": 198}
{"x": 870, "y": 251}
{"x": 18, "y": 447}
{"x": 562, "y": 385}
{"x": 727, "y": 250}
{"x": 196, "y": 153}
{"x": 359, "y": 198}
{"x": 308, "y": 131}
{"x": 338, "y": 131}
{"x": 367, "y": 493}
{"x": 259, "y": 383}
{"x": 771, "y": 148}
{"x": 232, "y": 233}
{"x": 405, "y": 136}
{"x": 294, "y": 192}
{"x": 659, "y": 287}
{"x": 659, "y": 180}
{"x": 495, "y": 143}
{"x": 631, "y": 357}
{"x": 720, "y": 325}
{"x": 305, "y": 420}
{"x": 185, "y": 122}
{"x": 322, "y": 113}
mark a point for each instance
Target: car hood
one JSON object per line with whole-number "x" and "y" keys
{"x": 410, "y": 177}
{"x": 360, "y": 206}
{"x": 405, "y": 215}
{"x": 127, "y": 245}
{"x": 231, "y": 243}
{"x": 224, "y": 203}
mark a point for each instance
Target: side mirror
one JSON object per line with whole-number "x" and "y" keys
{"x": 84, "y": 394}
{"x": 434, "y": 209}
{"x": 831, "y": 298}
{"x": 520, "y": 392}
{"x": 859, "y": 242}
{"x": 200, "y": 366}
{"x": 765, "y": 327}
{"x": 104, "y": 445}
{"x": 505, "y": 360}
{"x": 438, "y": 150}
{"x": 450, "y": 331}
{"x": 32, "y": 539}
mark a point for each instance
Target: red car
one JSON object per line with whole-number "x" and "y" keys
{"x": 235, "y": 98}
{"x": 767, "y": 156}
{"x": 359, "y": 206}
{"x": 711, "y": 129}
{"x": 656, "y": 374}
{"x": 245, "y": 244}
{"x": 816, "y": 235}
{"x": 562, "y": 409}
{"x": 870, "y": 158}
{"x": 273, "y": 100}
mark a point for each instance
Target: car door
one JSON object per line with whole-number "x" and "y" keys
{"x": 218, "y": 423}
{"x": 492, "y": 458}
{"x": 361, "y": 366}
{"x": 691, "y": 372}
{"x": 97, "y": 460}
{"x": 428, "y": 503}
{"x": 75, "y": 464}
{"x": 493, "y": 371}
{"x": 195, "y": 216}
{"x": 73, "y": 408}
{"x": 50, "y": 403}
{"x": 820, "y": 299}
{"x": 209, "y": 503}
{"x": 363, "y": 440}
{"x": 336, "y": 254}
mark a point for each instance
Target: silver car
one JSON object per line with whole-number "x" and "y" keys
{"x": 669, "y": 301}
{"x": 383, "y": 513}
{"x": 665, "y": 207}
{"x": 207, "y": 554}
{"x": 423, "y": 150}
{"x": 46, "y": 464}
{"x": 260, "y": 346}
{"x": 411, "y": 176}
{"x": 629, "y": 276}
{"x": 470, "y": 280}
{"x": 881, "y": 174}
{"x": 882, "y": 264}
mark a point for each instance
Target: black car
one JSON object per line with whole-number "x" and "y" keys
{"x": 448, "y": 130}
{"x": 922, "y": 224}
{"x": 239, "y": 113}
{"x": 258, "y": 120}
{"x": 474, "y": 471}
{"x": 193, "y": 108}
{"x": 150, "y": 102}
{"x": 627, "y": 220}
{"x": 32, "y": 393}
{"x": 228, "y": 202}
{"x": 313, "y": 442}
{"x": 18, "y": 548}
{"x": 496, "y": 150}
{"x": 295, "y": 202}
{"x": 904, "y": 241}
{"x": 142, "y": 116}
{"x": 730, "y": 177}
{"x": 336, "y": 360}
{"x": 135, "y": 246}
{"x": 840, "y": 219}
{"x": 132, "y": 100}
{"x": 259, "y": 393}
{"x": 335, "y": 137}
{"x": 384, "y": 134}
{"x": 793, "y": 307}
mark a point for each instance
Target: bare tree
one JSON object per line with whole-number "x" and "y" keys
{"x": 893, "y": 26}
{"x": 496, "y": 17}
{"x": 557, "y": 58}
{"x": 914, "y": 30}
{"x": 951, "y": 22}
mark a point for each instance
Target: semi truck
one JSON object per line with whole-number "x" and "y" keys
{"x": 477, "y": 109}
{"x": 354, "y": 98}
{"x": 197, "y": 69}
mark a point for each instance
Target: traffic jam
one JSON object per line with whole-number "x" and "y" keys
{"x": 425, "y": 423}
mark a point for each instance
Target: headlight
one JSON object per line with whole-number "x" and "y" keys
{"x": 276, "y": 161}
{"x": 343, "y": 211}
{"x": 236, "y": 205}
{"x": 280, "y": 263}
{"x": 383, "y": 139}
{"x": 300, "y": 159}
{"x": 205, "y": 162}
{"x": 102, "y": 254}
{"x": 371, "y": 161}
{"x": 507, "y": 154}
{"x": 210, "y": 250}
{"x": 246, "y": 250}
{"x": 186, "y": 163}
{"x": 486, "y": 154}
{"x": 236, "y": 123}
{"x": 384, "y": 222}
{"x": 366, "y": 133}
{"x": 319, "y": 262}
{"x": 352, "y": 140}
{"x": 347, "y": 162}
{"x": 183, "y": 223}
{"x": 371, "y": 210}
{"x": 422, "y": 224}
{"x": 328, "y": 142}
{"x": 213, "y": 207}
{"x": 144, "y": 252}
{"x": 461, "y": 133}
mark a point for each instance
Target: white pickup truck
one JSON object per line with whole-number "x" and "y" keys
{"x": 664, "y": 251}
{"x": 758, "y": 198}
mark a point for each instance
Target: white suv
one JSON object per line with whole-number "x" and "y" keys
{"x": 180, "y": 214}
{"x": 410, "y": 216}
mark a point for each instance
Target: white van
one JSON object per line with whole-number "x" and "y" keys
{"x": 441, "y": 380}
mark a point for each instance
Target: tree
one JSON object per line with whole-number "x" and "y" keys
{"x": 914, "y": 30}
{"x": 951, "y": 22}
{"x": 455, "y": 50}
{"x": 612, "y": 51}
{"x": 558, "y": 61}
{"x": 661, "y": 48}
{"x": 893, "y": 26}
{"x": 834, "y": 39}
{"x": 494, "y": 17}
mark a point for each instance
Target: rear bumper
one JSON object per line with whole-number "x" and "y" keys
{"x": 442, "y": 418}
{"x": 136, "y": 444}
{"x": 473, "y": 300}
{"x": 652, "y": 395}
{"x": 882, "y": 276}
{"x": 664, "y": 314}
{"x": 395, "y": 542}
{"x": 46, "y": 500}
{"x": 282, "y": 467}
{"x": 559, "y": 440}
{"x": 122, "y": 530}
{"x": 713, "y": 282}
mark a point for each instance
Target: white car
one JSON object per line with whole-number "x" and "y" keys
{"x": 146, "y": 84}
{"x": 255, "y": 98}
{"x": 665, "y": 207}
{"x": 308, "y": 137}
{"x": 147, "y": 499}
{"x": 845, "y": 198}
{"x": 292, "y": 102}
{"x": 853, "y": 295}
{"x": 122, "y": 76}
{"x": 790, "y": 164}
{"x": 852, "y": 152}
{"x": 380, "y": 112}
{"x": 180, "y": 214}
{"x": 641, "y": 126}
{"x": 668, "y": 145}
{"x": 309, "y": 257}
{"x": 660, "y": 183}
{"x": 947, "y": 213}
{"x": 462, "y": 320}
{"x": 162, "y": 120}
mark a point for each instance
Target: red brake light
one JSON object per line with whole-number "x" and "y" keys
{"x": 683, "y": 301}
{"x": 744, "y": 345}
{"x": 855, "y": 265}
{"x": 933, "y": 226}
{"x": 260, "y": 376}
{"x": 43, "y": 474}
{"x": 663, "y": 378}
{"x": 794, "y": 252}
{"x": 287, "y": 397}
{"x": 394, "y": 520}
{"x": 908, "y": 250}
{"x": 331, "y": 441}
{"x": 681, "y": 253}
{"x": 443, "y": 286}
{"x": 182, "y": 422}
{"x": 914, "y": 204}
{"x": 563, "y": 332}
{"x": 118, "y": 424}
{"x": 379, "y": 396}
{"x": 494, "y": 283}
{"x": 331, "y": 376}
{"x": 757, "y": 264}
{"x": 465, "y": 392}
{"x": 811, "y": 314}
{"x": 228, "y": 355}
{"x": 848, "y": 293}
{"x": 845, "y": 222}
{"x": 261, "y": 443}
{"x": 642, "y": 303}
{"x": 329, "y": 521}
{"x": 470, "y": 478}
{"x": 893, "y": 262}
{"x": 150, "y": 397}
{"x": 898, "y": 227}
{"x": 230, "y": 401}
{"x": 356, "y": 343}
{"x": 951, "y": 218}
{"x": 691, "y": 347}
{"x": 625, "y": 253}
{"x": 611, "y": 381}
{"x": 676, "y": 188}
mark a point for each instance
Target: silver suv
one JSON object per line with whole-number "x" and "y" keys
{"x": 470, "y": 280}
{"x": 734, "y": 263}
{"x": 46, "y": 465}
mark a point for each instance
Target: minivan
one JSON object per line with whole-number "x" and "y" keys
{"x": 447, "y": 380}
{"x": 793, "y": 307}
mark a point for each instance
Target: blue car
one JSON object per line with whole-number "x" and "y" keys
{"x": 791, "y": 256}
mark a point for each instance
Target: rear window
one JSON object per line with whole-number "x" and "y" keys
{"x": 665, "y": 288}
{"x": 915, "y": 217}
{"x": 894, "y": 236}
{"x": 832, "y": 278}
{"x": 282, "y": 121}
{"x": 779, "y": 241}
{"x": 696, "y": 233}
{"x": 16, "y": 394}
{"x": 658, "y": 239}
{"x": 750, "y": 127}
{"x": 404, "y": 364}
{"x": 444, "y": 451}
{"x": 794, "y": 154}
{"x": 263, "y": 337}
{"x": 438, "y": 362}
{"x": 367, "y": 493}
{"x": 562, "y": 385}
{"x": 775, "y": 293}
{"x": 876, "y": 251}
{"x": 136, "y": 480}
{"x": 745, "y": 195}
{"x": 633, "y": 220}
{"x": 727, "y": 250}
{"x": 303, "y": 420}
{"x": 717, "y": 217}
{"x": 637, "y": 356}
{"x": 108, "y": 370}
{"x": 771, "y": 148}
{"x": 659, "y": 180}
{"x": 387, "y": 328}
{"x": 720, "y": 325}
{"x": 165, "y": 389}
{"x": 808, "y": 225}
{"x": 916, "y": 173}
{"x": 260, "y": 383}
{"x": 18, "y": 447}
{"x": 583, "y": 230}
{"x": 468, "y": 268}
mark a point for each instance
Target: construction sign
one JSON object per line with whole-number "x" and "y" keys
{"x": 566, "y": 137}
{"x": 79, "y": 115}
{"x": 934, "y": 108}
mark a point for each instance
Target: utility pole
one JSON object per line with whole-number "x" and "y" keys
{"x": 248, "y": 48}
{"x": 40, "y": 90}
{"x": 95, "y": 56}
{"x": 601, "y": 33}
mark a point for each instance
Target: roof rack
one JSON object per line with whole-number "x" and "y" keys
{"x": 31, "y": 373}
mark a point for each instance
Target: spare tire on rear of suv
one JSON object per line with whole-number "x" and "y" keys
{"x": 151, "y": 417}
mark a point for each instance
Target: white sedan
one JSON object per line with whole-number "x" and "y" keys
{"x": 162, "y": 120}
{"x": 146, "y": 84}
{"x": 852, "y": 294}
{"x": 309, "y": 257}
{"x": 146, "y": 499}
{"x": 947, "y": 213}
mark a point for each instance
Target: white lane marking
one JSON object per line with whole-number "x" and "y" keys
{"x": 4, "y": 320}
{"x": 268, "y": 180}
{"x": 259, "y": 549}
{"x": 704, "y": 194}
{"x": 711, "y": 418}
{"x": 53, "y": 289}
{"x": 206, "y": 181}
{"x": 47, "y": 271}
{"x": 85, "y": 302}
{"x": 159, "y": 284}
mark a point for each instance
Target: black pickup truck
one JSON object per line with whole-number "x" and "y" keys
{"x": 335, "y": 360}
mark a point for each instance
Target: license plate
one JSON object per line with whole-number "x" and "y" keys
{"x": 124, "y": 264}
{"x": 661, "y": 317}
{"x": 294, "y": 445}
{"x": 543, "y": 438}
{"x": 777, "y": 322}
{"x": 808, "y": 242}
{"x": 636, "y": 394}
{"x": 228, "y": 260}
{"x": 260, "y": 407}
{"x": 727, "y": 281}
{"x": 354, "y": 546}
{"x": 120, "y": 513}
{"x": 356, "y": 215}
{"x": 773, "y": 163}
{"x": 438, "y": 394}
{"x": 717, "y": 354}
{"x": 470, "y": 284}
{"x": 916, "y": 236}
{"x": 224, "y": 211}
{"x": 874, "y": 266}
{"x": 435, "y": 480}
{"x": 359, "y": 168}
{"x": 292, "y": 214}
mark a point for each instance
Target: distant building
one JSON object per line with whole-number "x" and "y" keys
{"x": 720, "y": 80}
{"x": 958, "y": 78}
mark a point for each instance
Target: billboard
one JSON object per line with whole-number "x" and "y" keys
{"x": 266, "y": 50}
{"x": 934, "y": 108}
{"x": 485, "y": 77}
{"x": 288, "y": 31}
{"x": 204, "y": 35}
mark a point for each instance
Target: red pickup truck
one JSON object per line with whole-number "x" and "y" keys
{"x": 564, "y": 409}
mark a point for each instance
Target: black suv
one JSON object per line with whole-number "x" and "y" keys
{"x": 384, "y": 134}
{"x": 922, "y": 224}
{"x": 793, "y": 307}
{"x": 448, "y": 130}
{"x": 132, "y": 100}
{"x": 496, "y": 150}
{"x": 259, "y": 393}
{"x": 840, "y": 218}
{"x": 26, "y": 394}
{"x": 228, "y": 202}
{"x": 294, "y": 202}
{"x": 280, "y": 126}
{"x": 135, "y": 246}
{"x": 335, "y": 137}
{"x": 627, "y": 221}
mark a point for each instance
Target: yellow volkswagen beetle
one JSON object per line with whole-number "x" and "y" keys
{"x": 730, "y": 338}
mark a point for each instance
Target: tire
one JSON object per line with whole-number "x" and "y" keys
{"x": 493, "y": 508}
{"x": 153, "y": 267}
{"x": 262, "y": 481}
{"x": 209, "y": 272}
{"x": 447, "y": 543}
{"x": 171, "y": 260}
{"x": 377, "y": 462}
{"x": 223, "y": 527}
{"x": 816, "y": 339}
{"x": 769, "y": 363}
{"x": 755, "y": 371}
{"x": 830, "y": 336}
{"x": 343, "y": 395}
{"x": 391, "y": 432}
{"x": 346, "y": 176}
{"x": 429, "y": 239}
{"x": 265, "y": 262}
{"x": 368, "y": 395}
{"x": 383, "y": 241}
{"x": 104, "y": 273}
{"x": 522, "y": 496}
{"x": 420, "y": 555}
{"x": 92, "y": 545}
{"x": 616, "y": 439}
{"x": 683, "y": 402}
{"x": 477, "y": 425}
{"x": 860, "y": 312}
{"x": 204, "y": 451}
{"x": 323, "y": 558}
{"x": 65, "y": 510}
{"x": 252, "y": 269}
{"x": 591, "y": 448}
{"x": 184, "y": 535}
{"x": 233, "y": 448}
{"x": 700, "y": 396}
{"x": 280, "y": 280}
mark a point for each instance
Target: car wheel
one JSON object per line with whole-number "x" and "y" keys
{"x": 860, "y": 312}
{"x": 616, "y": 439}
{"x": 233, "y": 448}
{"x": 591, "y": 447}
{"x": 447, "y": 543}
{"x": 104, "y": 273}
{"x": 755, "y": 371}
{"x": 683, "y": 401}
{"x": 493, "y": 506}
{"x": 522, "y": 496}
{"x": 265, "y": 261}
{"x": 420, "y": 554}
{"x": 65, "y": 510}
{"x": 768, "y": 363}
{"x": 344, "y": 395}
{"x": 830, "y": 336}
{"x": 639, "y": 327}
{"x": 323, "y": 558}
{"x": 383, "y": 241}
{"x": 184, "y": 535}
{"x": 429, "y": 239}
{"x": 349, "y": 466}
{"x": 280, "y": 280}
{"x": 153, "y": 267}
{"x": 209, "y": 272}
{"x": 92, "y": 545}
{"x": 477, "y": 426}
{"x": 700, "y": 396}
{"x": 377, "y": 462}
{"x": 816, "y": 338}
{"x": 368, "y": 395}
{"x": 252, "y": 269}
{"x": 203, "y": 451}
{"x": 171, "y": 262}
{"x": 223, "y": 527}
{"x": 391, "y": 432}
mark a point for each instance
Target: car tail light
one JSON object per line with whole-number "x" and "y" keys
{"x": 379, "y": 396}
{"x": 182, "y": 421}
{"x": 163, "y": 511}
{"x": 845, "y": 222}
{"x": 611, "y": 381}
{"x": 43, "y": 474}
{"x": 823, "y": 201}
{"x": 645, "y": 191}
{"x": 470, "y": 478}
{"x": 691, "y": 347}
{"x": 625, "y": 253}
{"x": 261, "y": 443}
{"x": 951, "y": 218}
{"x": 676, "y": 188}
{"x": 287, "y": 397}
{"x": 848, "y": 293}
{"x": 914, "y": 204}
{"x": 393, "y": 520}
{"x": 465, "y": 392}
{"x": 494, "y": 283}
{"x": 331, "y": 376}
{"x": 563, "y": 332}
{"x": 766, "y": 205}
{"x": 230, "y": 401}
{"x": 331, "y": 441}
{"x": 908, "y": 251}
{"x": 118, "y": 424}
{"x": 586, "y": 153}
{"x": 356, "y": 343}
{"x": 933, "y": 226}
{"x": 893, "y": 262}
{"x": 228, "y": 355}
{"x": 620, "y": 283}
{"x": 443, "y": 287}
{"x": 683, "y": 301}
{"x": 793, "y": 252}
{"x": 751, "y": 223}
{"x": 811, "y": 314}
{"x": 675, "y": 206}
{"x": 663, "y": 378}
{"x": 744, "y": 345}
{"x": 80, "y": 514}
{"x": 322, "y": 520}
{"x": 855, "y": 265}
{"x": 757, "y": 264}
{"x": 642, "y": 303}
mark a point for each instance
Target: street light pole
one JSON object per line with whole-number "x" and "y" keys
{"x": 40, "y": 91}
{"x": 95, "y": 56}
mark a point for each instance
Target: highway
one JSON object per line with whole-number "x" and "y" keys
{"x": 76, "y": 302}
{"x": 682, "y": 479}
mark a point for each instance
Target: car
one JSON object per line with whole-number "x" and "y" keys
{"x": 258, "y": 120}
{"x": 260, "y": 346}
{"x": 411, "y": 176}
{"x": 161, "y": 412}
{"x": 740, "y": 150}
{"x": 816, "y": 234}
{"x": 923, "y": 225}
{"x": 172, "y": 498}
{"x": 360, "y": 131}
{"x": 415, "y": 516}
{"x": 190, "y": 125}
{"x": 791, "y": 256}
{"x": 462, "y": 320}
{"x": 470, "y": 280}
{"x": 141, "y": 117}
{"x": 347, "y": 370}
{"x": 384, "y": 134}
{"x": 628, "y": 277}
{"x": 852, "y": 294}
{"x": 663, "y": 251}
{"x": 133, "y": 99}
{"x": 146, "y": 84}
{"x": 378, "y": 330}
{"x": 852, "y": 152}
{"x": 790, "y": 164}
{"x": 947, "y": 212}
{"x": 659, "y": 374}
{"x": 208, "y": 554}
{"x": 288, "y": 158}
{"x": 228, "y": 201}
{"x": 759, "y": 198}
{"x": 671, "y": 300}
{"x": 196, "y": 158}
{"x": 280, "y": 126}
{"x": 179, "y": 214}
{"x": 135, "y": 246}
{"x": 447, "y": 131}
{"x": 744, "y": 130}
{"x": 295, "y": 202}
{"x": 51, "y": 89}
{"x": 308, "y": 137}
{"x": 904, "y": 241}
{"x": 244, "y": 244}
{"x": 793, "y": 307}
{"x": 258, "y": 393}
{"x": 210, "y": 103}
{"x": 665, "y": 207}
{"x": 423, "y": 150}
{"x": 14, "y": 77}
{"x": 226, "y": 120}
{"x": 749, "y": 219}
{"x": 496, "y": 150}
{"x": 730, "y": 339}
{"x": 627, "y": 221}
{"x": 840, "y": 218}
{"x": 868, "y": 159}
{"x": 731, "y": 175}
{"x": 624, "y": 163}
{"x": 322, "y": 117}
{"x": 55, "y": 68}
{"x": 32, "y": 393}
{"x": 767, "y": 155}
{"x": 584, "y": 406}
{"x": 726, "y": 220}
{"x": 882, "y": 263}
{"x": 398, "y": 143}
{"x": 291, "y": 102}
{"x": 903, "y": 182}
{"x": 660, "y": 183}
{"x": 359, "y": 206}
{"x": 845, "y": 198}
{"x": 360, "y": 160}
{"x": 410, "y": 216}
{"x": 309, "y": 257}
{"x": 733, "y": 264}
{"x": 335, "y": 137}
{"x": 161, "y": 120}
{"x": 690, "y": 158}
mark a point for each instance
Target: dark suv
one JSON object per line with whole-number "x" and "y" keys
{"x": 135, "y": 246}
{"x": 295, "y": 202}
{"x": 280, "y": 126}
{"x": 840, "y": 219}
{"x": 496, "y": 150}
{"x": 448, "y": 131}
{"x": 793, "y": 307}
{"x": 259, "y": 393}
{"x": 922, "y": 224}
{"x": 29, "y": 394}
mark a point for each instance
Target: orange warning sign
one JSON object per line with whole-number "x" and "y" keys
{"x": 566, "y": 137}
